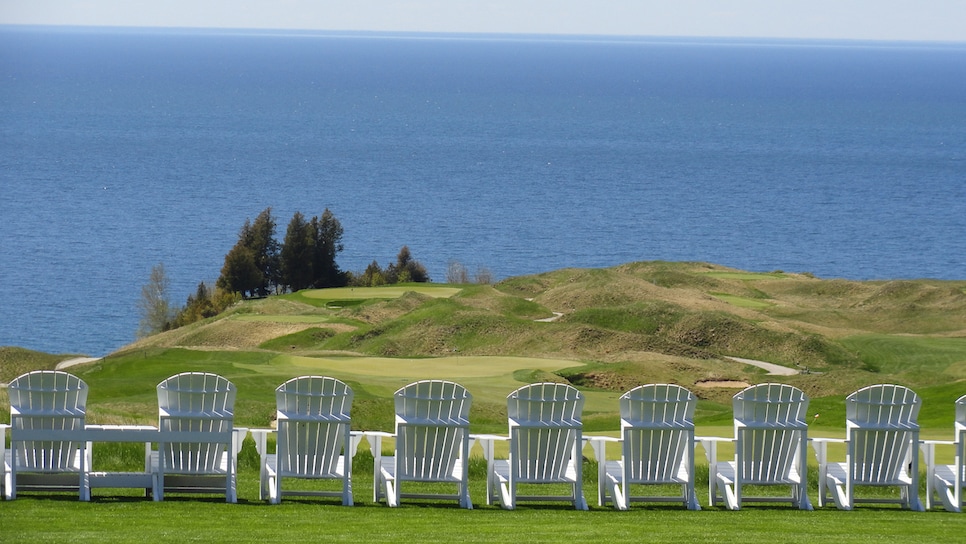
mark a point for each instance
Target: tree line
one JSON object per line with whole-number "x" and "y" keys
{"x": 259, "y": 265}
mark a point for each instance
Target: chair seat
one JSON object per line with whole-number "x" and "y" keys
{"x": 727, "y": 472}
{"x": 615, "y": 471}
{"x": 946, "y": 474}
{"x": 838, "y": 473}
{"x": 388, "y": 470}
{"x": 220, "y": 470}
{"x": 944, "y": 483}
{"x": 271, "y": 465}
{"x": 501, "y": 469}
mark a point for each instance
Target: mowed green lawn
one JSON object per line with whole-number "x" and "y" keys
{"x": 118, "y": 516}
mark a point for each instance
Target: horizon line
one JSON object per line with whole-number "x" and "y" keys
{"x": 484, "y": 36}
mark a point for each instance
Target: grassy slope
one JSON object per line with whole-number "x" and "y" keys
{"x": 620, "y": 327}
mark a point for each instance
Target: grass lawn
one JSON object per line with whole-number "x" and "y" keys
{"x": 182, "y": 518}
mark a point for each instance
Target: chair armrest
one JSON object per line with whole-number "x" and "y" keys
{"x": 260, "y": 436}
{"x": 928, "y": 448}
{"x": 595, "y": 438}
{"x": 238, "y": 435}
{"x": 598, "y": 444}
{"x": 710, "y": 445}
{"x": 937, "y": 443}
{"x": 374, "y": 438}
{"x": 355, "y": 438}
{"x": 820, "y": 446}
{"x": 486, "y": 442}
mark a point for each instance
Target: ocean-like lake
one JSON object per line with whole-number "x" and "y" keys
{"x": 123, "y": 149}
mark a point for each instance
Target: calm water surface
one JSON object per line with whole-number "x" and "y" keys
{"x": 119, "y": 150}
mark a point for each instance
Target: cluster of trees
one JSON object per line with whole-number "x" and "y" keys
{"x": 258, "y": 265}
{"x": 404, "y": 270}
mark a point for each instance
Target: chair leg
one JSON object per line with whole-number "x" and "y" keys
{"x": 731, "y": 495}
{"x": 508, "y": 495}
{"x": 347, "y": 491}
{"x": 841, "y": 496}
{"x": 616, "y": 493}
{"x": 801, "y": 497}
{"x": 392, "y": 493}
{"x": 580, "y": 502}
{"x": 692, "y": 499}
{"x": 275, "y": 489}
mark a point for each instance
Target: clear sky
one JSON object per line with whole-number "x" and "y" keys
{"x": 921, "y": 20}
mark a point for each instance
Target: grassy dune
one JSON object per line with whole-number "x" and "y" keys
{"x": 614, "y": 329}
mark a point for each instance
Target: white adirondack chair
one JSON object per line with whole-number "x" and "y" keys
{"x": 432, "y": 442}
{"x": 771, "y": 437}
{"x": 201, "y": 407}
{"x": 314, "y": 440}
{"x": 545, "y": 445}
{"x": 46, "y": 408}
{"x": 947, "y": 481}
{"x": 881, "y": 448}
{"x": 657, "y": 447}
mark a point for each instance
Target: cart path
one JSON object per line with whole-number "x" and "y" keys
{"x": 76, "y": 361}
{"x": 773, "y": 369}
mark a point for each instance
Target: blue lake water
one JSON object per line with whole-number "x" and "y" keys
{"x": 122, "y": 149}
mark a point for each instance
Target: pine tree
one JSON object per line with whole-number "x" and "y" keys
{"x": 327, "y": 237}
{"x": 252, "y": 266}
{"x": 297, "y": 257}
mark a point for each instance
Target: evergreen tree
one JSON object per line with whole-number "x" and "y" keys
{"x": 406, "y": 269}
{"x": 261, "y": 241}
{"x": 252, "y": 266}
{"x": 327, "y": 237}
{"x": 240, "y": 274}
{"x": 297, "y": 257}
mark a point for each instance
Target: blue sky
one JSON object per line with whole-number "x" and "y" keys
{"x": 920, "y": 20}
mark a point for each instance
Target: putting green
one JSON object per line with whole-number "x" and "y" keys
{"x": 743, "y": 302}
{"x": 284, "y": 318}
{"x": 489, "y": 379}
{"x": 389, "y": 291}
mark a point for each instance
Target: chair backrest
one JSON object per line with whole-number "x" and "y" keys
{"x": 770, "y": 405}
{"x": 432, "y": 425}
{"x": 883, "y": 406}
{"x": 882, "y": 423}
{"x": 545, "y": 427}
{"x": 46, "y": 400}
{"x": 197, "y": 402}
{"x": 657, "y": 427}
{"x": 770, "y": 429}
{"x": 313, "y": 417}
